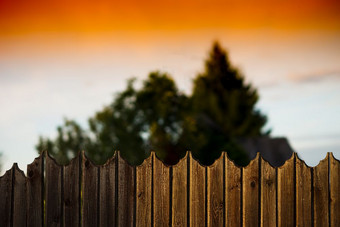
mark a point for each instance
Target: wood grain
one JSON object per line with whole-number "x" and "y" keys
{"x": 90, "y": 190}
{"x": 54, "y": 211}
{"x": 35, "y": 197}
{"x": 320, "y": 183}
{"x": 233, "y": 195}
{"x": 161, "y": 193}
{"x": 215, "y": 194}
{"x": 107, "y": 198}
{"x": 268, "y": 194}
{"x": 334, "y": 191}
{"x": 126, "y": 193}
{"x": 71, "y": 203}
{"x": 144, "y": 191}
{"x": 251, "y": 193}
{"x": 286, "y": 194}
{"x": 180, "y": 193}
{"x": 6, "y": 198}
{"x": 303, "y": 193}
{"x": 197, "y": 193}
{"x": 19, "y": 197}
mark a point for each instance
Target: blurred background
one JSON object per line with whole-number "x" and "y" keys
{"x": 70, "y": 59}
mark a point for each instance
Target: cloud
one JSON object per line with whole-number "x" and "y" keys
{"x": 318, "y": 76}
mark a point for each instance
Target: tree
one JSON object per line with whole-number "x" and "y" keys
{"x": 159, "y": 117}
{"x": 136, "y": 122}
{"x": 223, "y": 109}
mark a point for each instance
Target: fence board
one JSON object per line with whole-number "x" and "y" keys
{"x": 90, "y": 190}
{"x": 303, "y": 193}
{"x": 251, "y": 193}
{"x": 320, "y": 181}
{"x": 53, "y": 192}
{"x": 215, "y": 193}
{"x": 286, "y": 193}
{"x": 126, "y": 193}
{"x": 180, "y": 193}
{"x": 186, "y": 194}
{"x": 19, "y": 197}
{"x": 144, "y": 191}
{"x": 161, "y": 193}
{"x": 233, "y": 184}
{"x": 107, "y": 201}
{"x": 6, "y": 198}
{"x": 71, "y": 203}
{"x": 197, "y": 193}
{"x": 35, "y": 183}
{"x": 268, "y": 194}
{"x": 334, "y": 191}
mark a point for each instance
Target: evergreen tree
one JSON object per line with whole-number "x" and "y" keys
{"x": 223, "y": 109}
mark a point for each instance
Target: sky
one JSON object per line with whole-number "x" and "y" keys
{"x": 68, "y": 58}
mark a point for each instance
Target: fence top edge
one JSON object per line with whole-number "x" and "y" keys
{"x": 188, "y": 155}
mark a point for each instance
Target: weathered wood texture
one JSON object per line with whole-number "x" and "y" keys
{"x": 321, "y": 193}
{"x": 186, "y": 194}
{"x": 303, "y": 193}
{"x": 144, "y": 193}
{"x": 54, "y": 211}
{"x": 126, "y": 193}
{"x": 286, "y": 193}
{"x": 233, "y": 196}
{"x": 161, "y": 193}
{"x": 251, "y": 182}
{"x": 107, "y": 192}
{"x": 334, "y": 191}
{"x": 268, "y": 194}
{"x": 215, "y": 193}
{"x": 35, "y": 188}
{"x": 19, "y": 197}
{"x": 71, "y": 192}
{"x": 6, "y": 198}
{"x": 180, "y": 193}
{"x": 197, "y": 200}
{"x": 90, "y": 193}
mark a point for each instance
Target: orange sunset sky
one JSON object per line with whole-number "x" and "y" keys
{"x": 63, "y": 15}
{"x": 66, "y": 58}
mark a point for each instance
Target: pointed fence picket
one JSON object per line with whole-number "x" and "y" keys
{"x": 186, "y": 194}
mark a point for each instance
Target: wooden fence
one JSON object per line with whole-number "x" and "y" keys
{"x": 186, "y": 194}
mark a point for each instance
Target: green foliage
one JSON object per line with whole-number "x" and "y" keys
{"x": 158, "y": 117}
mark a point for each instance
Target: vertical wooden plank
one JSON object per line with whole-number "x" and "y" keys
{"x": 53, "y": 192}
{"x": 90, "y": 190}
{"x": 143, "y": 194}
{"x": 108, "y": 193}
{"x": 35, "y": 198}
{"x": 19, "y": 197}
{"x": 180, "y": 193}
{"x": 286, "y": 194}
{"x": 268, "y": 194}
{"x": 6, "y": 198}
{"x": 320, "y": 183}
{"x": 251, "y": 193}
{"x": 303, "y": 193}
{"x": 215, "y": 193}
{"x": 71, "y": 203}
{"x": 334, "y": 191}
{"x": 197, "y": 193}
{"x": 126, "y": 193}
{"x": 233, "y": 186}
{"x": 161, "y": 193}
